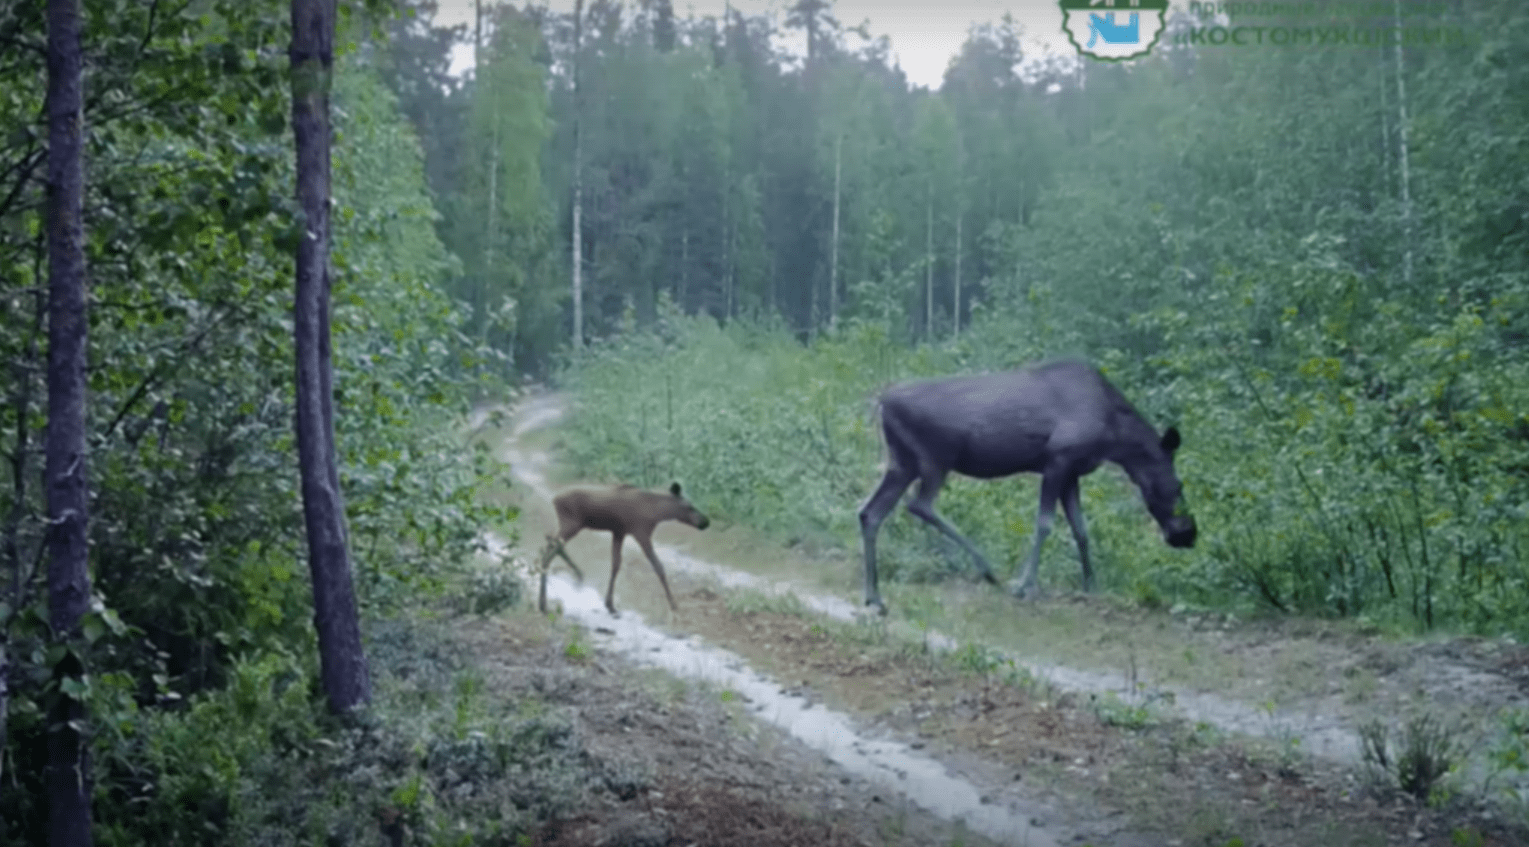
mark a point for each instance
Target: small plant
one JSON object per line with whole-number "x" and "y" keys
{"x": 1116, "y": 712}
{"x": 1022, "y": 678}
{"x": 1467, "y": 837}
{"x": 1427, "y": 753}
{"x": 978, "y": 658}
{"x": 752, "y": 601}
{"x": 577, "y": 650}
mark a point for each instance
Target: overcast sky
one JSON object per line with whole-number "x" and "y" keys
{"x": 924, "y": 35}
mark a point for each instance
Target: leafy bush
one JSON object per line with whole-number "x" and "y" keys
{"x": 260, "y": 762}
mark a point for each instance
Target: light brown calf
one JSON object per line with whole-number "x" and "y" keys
{"x": 621, "y": 510}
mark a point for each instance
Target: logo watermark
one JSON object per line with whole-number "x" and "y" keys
{"x": 1113, "y": 30}
{"x": 1306, "y": 23}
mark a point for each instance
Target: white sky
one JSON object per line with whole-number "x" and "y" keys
{"x": 924, "y": 35}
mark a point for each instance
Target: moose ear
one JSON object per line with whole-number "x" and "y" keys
{"x": 675, "y": 489}
{"x": 1171, "y": 440}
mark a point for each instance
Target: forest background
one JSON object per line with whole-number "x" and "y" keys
{"x": 1314, "y": 261}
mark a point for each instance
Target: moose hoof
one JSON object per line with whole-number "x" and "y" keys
{"x": 1023, "y": 590}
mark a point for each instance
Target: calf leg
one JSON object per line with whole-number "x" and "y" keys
{"x": 553, "y": 550}
{"x": 1051, "y": 487}
{"x": 559, "y": 551}
{"x": 617, "y": 538}
{"x": 646, "y": 543}
{"x": 1074, "y": 511}
{"x": 875, "y": 510}
{"x": 923, "y": 506}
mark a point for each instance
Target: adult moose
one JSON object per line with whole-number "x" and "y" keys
{"x": 1059, "y": 419}
{"x": 621, "y": 510}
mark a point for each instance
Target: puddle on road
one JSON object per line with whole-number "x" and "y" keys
{"x": 1320, "y": 734}
{"x": 921, "y": 779}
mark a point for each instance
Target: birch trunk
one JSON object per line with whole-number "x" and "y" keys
{"x": 1401, "y": 136}
{"x": 833, "y": 258}
{"x": 578, "y": 187}
{"x": 955, "y": 308}
{"x": 929, "y": 263}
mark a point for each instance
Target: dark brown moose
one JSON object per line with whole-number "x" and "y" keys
{"x": 621, "y": 510}
{"x": 1059, "y": 419}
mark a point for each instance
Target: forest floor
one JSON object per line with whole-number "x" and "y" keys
{"x": 771, "y": 712}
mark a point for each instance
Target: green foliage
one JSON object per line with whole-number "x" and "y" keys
{"x": 490, "y": 589}
{"x": 196, "y": 537}
{"x": 260, "y": 763}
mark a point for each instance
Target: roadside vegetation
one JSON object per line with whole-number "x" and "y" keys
{"x": 1297, "y": 514}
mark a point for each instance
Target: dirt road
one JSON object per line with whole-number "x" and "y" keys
{"x": 1073, "y": 720}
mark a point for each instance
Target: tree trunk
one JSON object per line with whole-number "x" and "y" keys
{"x": 578, "y": 188}
{"x": 342, "y": 663}
{"x": 833, "y": 258}
{"x": 64, "y": 472}
{"x": 955, "y": 306}
{"x": 480, "y": 286}
{"x": 488, "y": 241}
{"x": 1401, "y": 135}
{"x": 727, "y": 245}
{"x": 929, "y": 262}
{"x": 1385, "y": 130}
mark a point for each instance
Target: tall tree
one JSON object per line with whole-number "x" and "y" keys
{"x": 68, "y": 491}
{"x": 833, "y": 255}
{"x": 578, "y": 187}
{"x": 342, "y": 663}
{"x": 1401, "y": 149}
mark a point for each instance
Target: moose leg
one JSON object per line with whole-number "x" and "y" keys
{"x": 875, "y": 510}
{"x": 1074, "y": 511}
{"x": 617, "y": 539}
{"x": 646, "y": 543}
{"x": 923, "y": 506}
{"x": 1051, "y": 487}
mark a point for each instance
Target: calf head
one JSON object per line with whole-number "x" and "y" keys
{"x": 686, "y": 513}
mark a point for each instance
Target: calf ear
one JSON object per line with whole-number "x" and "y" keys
{"x": 675, "y": 489}
{"x": 1171, "y": 440}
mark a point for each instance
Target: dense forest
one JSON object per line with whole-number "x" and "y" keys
{"x": 1313, "y": 260}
